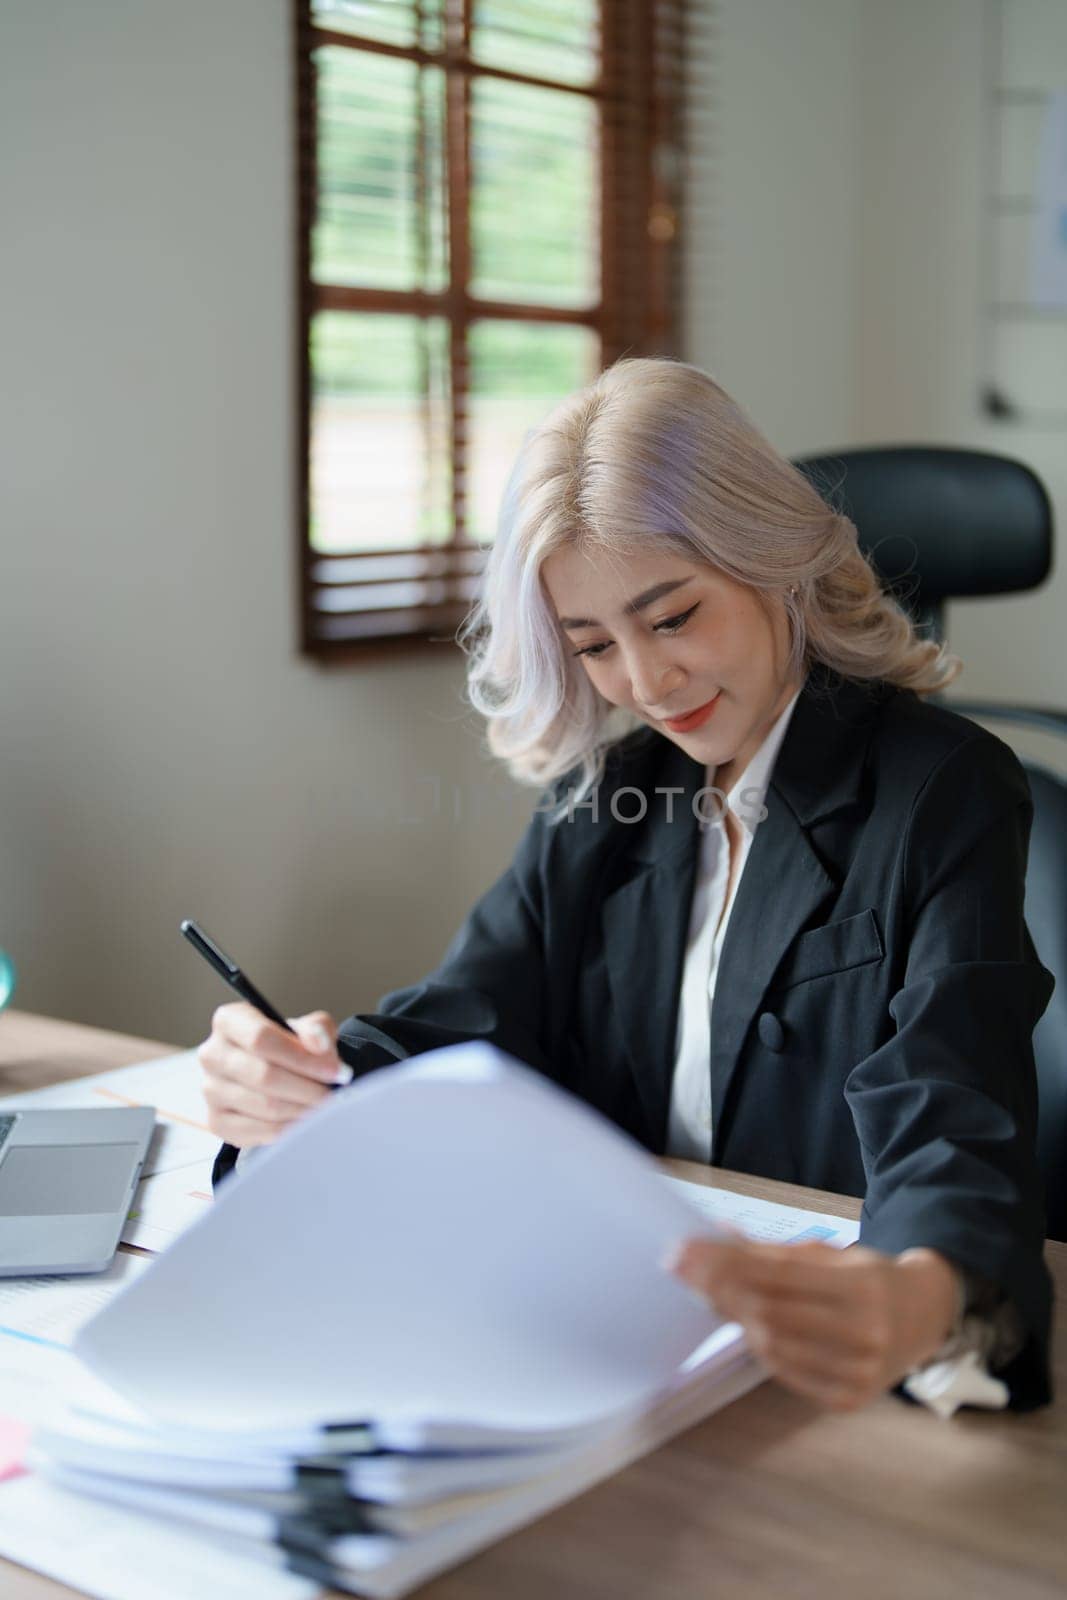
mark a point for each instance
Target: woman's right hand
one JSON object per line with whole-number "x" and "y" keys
{"x": 259, "y": 1079}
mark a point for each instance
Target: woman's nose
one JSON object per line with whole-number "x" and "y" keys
{"x": 653, "y": 680}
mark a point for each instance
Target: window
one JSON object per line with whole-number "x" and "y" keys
{"x": 488, "y": 203}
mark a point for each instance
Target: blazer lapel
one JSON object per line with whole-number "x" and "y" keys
{"x": 645, "y": 911}
{"x": 644, "y": 922}
{"x": 782, "y": 887}
{"x": 785, "y": 884}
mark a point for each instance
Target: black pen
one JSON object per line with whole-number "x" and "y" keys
{"x": 231, "y": 973}
{"x": 241, "y": 984}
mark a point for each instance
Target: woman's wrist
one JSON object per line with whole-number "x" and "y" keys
{"x": 927, "y": 1304}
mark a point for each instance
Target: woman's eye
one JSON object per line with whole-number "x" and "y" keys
{"x": 669, "y": 625}
{"x": 672, "y": 624}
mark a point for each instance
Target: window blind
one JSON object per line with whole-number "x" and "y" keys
{"x": 488, "y": 214}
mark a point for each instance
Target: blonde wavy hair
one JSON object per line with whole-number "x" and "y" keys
{"x": 654, "y": 455}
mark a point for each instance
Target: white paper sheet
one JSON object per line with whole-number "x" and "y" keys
{"x": 53, "y": 1309}
{"x": 40, "y": 1378}
{"x": 118, "y": 1554}
{"x": 512, "y": 1274}
{"x": 166, "y": 1204}
{"x": 764, "y": 1219}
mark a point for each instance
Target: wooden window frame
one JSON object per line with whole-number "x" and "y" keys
{"x": 640, "y": 92}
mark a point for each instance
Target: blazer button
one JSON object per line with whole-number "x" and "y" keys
{"x": 771, "y": 1032}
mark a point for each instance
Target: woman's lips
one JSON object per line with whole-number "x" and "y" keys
{"x": 693, "y": 719}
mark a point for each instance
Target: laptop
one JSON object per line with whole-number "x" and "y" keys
{"x": 67, "y": 1181}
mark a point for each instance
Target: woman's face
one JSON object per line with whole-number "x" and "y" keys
{"x": 666, "y": 638}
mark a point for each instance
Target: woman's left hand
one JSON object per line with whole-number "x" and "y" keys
{"x": 838, "y": 1326}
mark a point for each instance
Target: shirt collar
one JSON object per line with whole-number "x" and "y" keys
{"x": 757, "y": 775}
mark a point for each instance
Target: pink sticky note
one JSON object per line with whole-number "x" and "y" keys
{"x": 14, "y": 1437}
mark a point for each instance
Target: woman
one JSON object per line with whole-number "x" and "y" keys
{"x": 770, "y": 914}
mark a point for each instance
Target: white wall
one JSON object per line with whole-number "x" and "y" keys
{"x": 772, "y": 283}
{"x": 165, "y": 752}
{"x": 920, "y": 280}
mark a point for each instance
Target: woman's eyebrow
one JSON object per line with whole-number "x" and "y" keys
{"x": 638, "y": 603}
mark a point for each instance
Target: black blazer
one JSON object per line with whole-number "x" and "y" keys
{"x": 877, "y": 988}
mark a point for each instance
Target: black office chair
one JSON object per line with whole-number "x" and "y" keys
{"x": 937, "y": 525}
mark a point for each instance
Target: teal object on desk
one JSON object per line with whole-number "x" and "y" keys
{"x": 7, "y": 978}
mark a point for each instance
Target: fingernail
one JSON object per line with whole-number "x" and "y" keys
{"x": 344, "y": 1073}
{"x": 320, "y": 1039}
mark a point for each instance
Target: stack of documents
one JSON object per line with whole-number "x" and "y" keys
{"x": 373, "y": 1510}
{"x": 434, "y": 1310}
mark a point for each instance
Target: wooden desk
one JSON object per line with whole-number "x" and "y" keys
{"x": 769, "y": 1498}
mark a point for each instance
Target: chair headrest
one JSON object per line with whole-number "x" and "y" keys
{"x": 939, "y": 523}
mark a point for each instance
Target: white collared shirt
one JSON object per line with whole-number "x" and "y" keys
{"x": 689, "y": 1124}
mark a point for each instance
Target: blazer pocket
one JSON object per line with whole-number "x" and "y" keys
{"x": 833, "y": 948}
